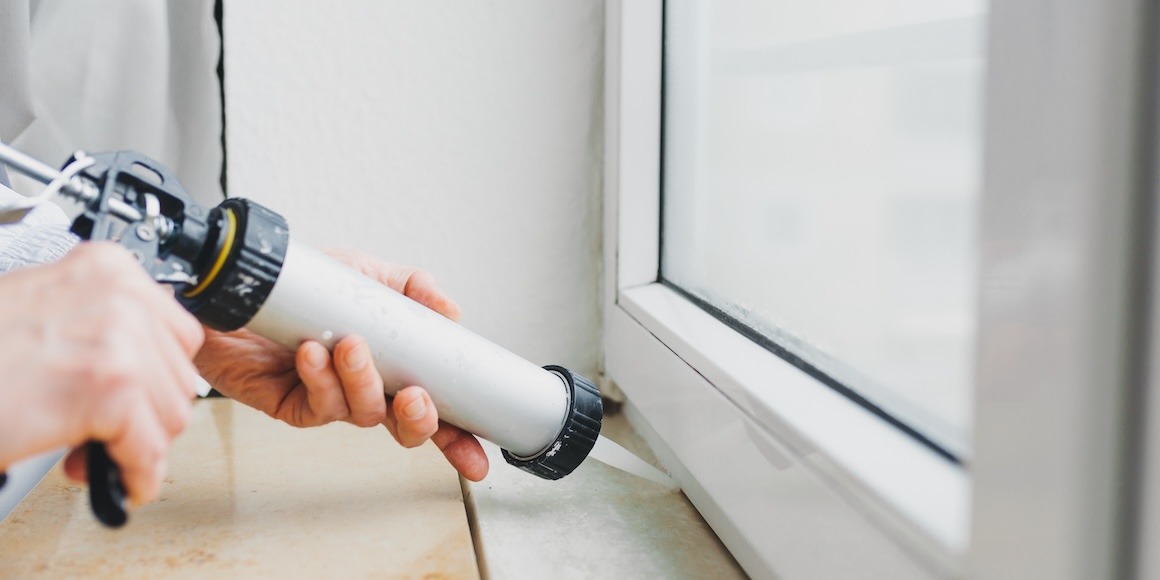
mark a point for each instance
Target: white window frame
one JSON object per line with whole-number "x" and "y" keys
{"x": 749, "y": 436}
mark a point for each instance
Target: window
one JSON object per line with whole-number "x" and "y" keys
{"x": 875, "y": 275}
{"x": 821, "y": 179}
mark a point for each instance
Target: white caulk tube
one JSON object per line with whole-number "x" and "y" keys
{"x": 475, "y": 384}
{"x": 547, "y": 419}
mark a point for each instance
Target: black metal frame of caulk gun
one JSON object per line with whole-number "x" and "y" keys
{"x": 168, "y": 217}
{"x": 136, "y": 202}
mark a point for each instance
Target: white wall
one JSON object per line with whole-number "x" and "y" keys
{"x": 459, "y": 136}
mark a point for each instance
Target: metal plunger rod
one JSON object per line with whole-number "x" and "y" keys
{"x": 33, "y": 168}
{"x": 76, "y": 188}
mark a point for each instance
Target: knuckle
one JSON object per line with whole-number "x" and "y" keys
{"x": 410, "y": 437}
{"x": 196, "y": 330}
{"x": 106, "y": 374}
{"x": 154, "y": 450}
{"x": 408, "y": 275}
{"x": 147, "y": 456}
{"x": 188, "y": 384}
{"x": 103, "y": 257}
{"x": 87, "y": 252}
{"x": 192, "y": 334}
{"x": 369, "y": 418}
{"x": 180, "y": 420}
{"x": 118, "y": 307}
{"x": 329, "y": 414}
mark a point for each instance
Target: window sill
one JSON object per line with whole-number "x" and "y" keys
{"x": 597, "y": 522}
{"x": 908, "y": 493}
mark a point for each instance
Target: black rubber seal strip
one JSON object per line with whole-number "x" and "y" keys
{"x": 813, "y": 371}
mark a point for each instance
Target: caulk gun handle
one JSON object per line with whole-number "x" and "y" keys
{"x": 106, "y": 491}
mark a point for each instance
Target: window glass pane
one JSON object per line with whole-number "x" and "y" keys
{"x": 822, "y": 165}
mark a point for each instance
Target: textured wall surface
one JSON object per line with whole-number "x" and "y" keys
{"x": 458, "y": 136}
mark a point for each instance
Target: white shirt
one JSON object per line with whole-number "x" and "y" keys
{"x": 41, "y": 237}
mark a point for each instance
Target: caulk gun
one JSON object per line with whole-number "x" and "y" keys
{"x": 235, "y": 266}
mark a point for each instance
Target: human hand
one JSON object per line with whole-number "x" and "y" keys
{"x": 310, "y": 387}
{"x": 92, "y": 349}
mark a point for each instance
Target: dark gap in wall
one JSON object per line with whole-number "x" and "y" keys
{"x": 661, "y": 147}
{"x": 221, "y": 73}
{"x": 1132, "y": 496}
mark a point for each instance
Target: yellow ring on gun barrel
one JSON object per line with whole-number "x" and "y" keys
{"x": 231, "y": 232}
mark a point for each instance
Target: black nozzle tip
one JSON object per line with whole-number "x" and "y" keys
{"x": 576, "y": 438}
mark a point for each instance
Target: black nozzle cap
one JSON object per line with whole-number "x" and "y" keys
{"x": 576, "y": 438}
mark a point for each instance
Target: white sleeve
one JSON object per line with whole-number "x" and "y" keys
{"x": 41, "y": 237}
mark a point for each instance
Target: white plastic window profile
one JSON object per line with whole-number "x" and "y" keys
{"x": 786, "y": 490}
